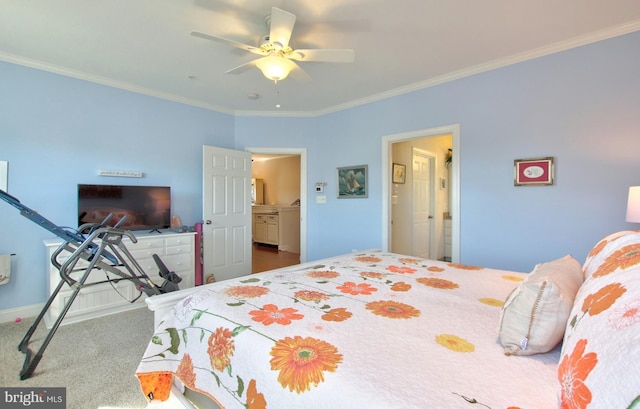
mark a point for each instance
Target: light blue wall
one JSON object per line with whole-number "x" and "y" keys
{"x": 581, "y": 106}
{"x": 342, "y": 224}
{"x": 56, "y": 132}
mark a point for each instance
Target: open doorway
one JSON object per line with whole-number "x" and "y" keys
{"x": 279, "y": 214}
{"x": 443, "y": 206}
{"x": 421, "y": 204}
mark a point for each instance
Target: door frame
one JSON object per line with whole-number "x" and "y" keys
{"x": 454, "y": 185}
{"x": 303, "y": 188}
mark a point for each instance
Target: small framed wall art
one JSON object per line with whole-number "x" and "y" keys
{"x": 443, "y": 184}
{"x": 352, "y": 182}
{"x": 536, "y": 171}
{"x": 399, "y": 173}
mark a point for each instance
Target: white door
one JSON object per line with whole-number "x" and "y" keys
{"x": 422, "y": 216}
{"x": 226, "y": 211}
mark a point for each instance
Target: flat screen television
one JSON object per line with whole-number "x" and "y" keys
{"x": 145, "y": 207}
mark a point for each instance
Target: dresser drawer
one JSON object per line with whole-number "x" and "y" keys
{"x": 146, "y": 253}
{"x": 185, "y": 240}
{"x": 179, "y": 262}
{"x": 177, "y": 250}
{"x": 145, "y": 243}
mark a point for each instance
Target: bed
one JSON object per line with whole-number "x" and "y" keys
{"x": 383, "y": 330}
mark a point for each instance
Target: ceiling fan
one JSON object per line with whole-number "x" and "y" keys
{"x": 278, "y": 57}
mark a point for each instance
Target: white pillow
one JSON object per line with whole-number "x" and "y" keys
{"x": 535, "y": 314}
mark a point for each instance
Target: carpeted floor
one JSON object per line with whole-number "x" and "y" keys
{"x": 95, "y": 360}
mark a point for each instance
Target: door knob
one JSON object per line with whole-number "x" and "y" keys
{"x": 430, "y": 217}
{"x": 208, "y": 222}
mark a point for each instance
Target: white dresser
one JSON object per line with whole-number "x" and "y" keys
{"x": 176, "y": 250}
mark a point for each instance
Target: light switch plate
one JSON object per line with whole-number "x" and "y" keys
{"x": 321, "y": 199}
{"x": 4, "y": 175}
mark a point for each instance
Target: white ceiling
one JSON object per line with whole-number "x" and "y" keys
{"x": 400, "y": 45}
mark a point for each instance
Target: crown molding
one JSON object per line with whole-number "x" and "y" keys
{"x": 27, "y": 62}
{"x": 466, "y": 72}
{"x": 492, "y": 65}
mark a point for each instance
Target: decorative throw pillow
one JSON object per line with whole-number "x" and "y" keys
{"x": 603, "y": 249}
{"x": 599, "y": 363}
{"x": 535, "y": 314}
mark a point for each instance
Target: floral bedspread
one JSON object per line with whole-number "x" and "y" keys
{"x": 373, "y": 330}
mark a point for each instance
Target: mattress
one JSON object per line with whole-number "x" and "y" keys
{"x": 369, "y": 330}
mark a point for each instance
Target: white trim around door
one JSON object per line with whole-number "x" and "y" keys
{"x": 303, "y": 188}
{"x": 454, "y": 183}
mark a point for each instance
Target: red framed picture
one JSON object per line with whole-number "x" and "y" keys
{"x": 537, "y": 171}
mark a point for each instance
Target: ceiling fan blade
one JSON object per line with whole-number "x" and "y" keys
{"x": 231, "y": 43}
{"x": 323, "y": 55}
{"x": 242, "y": 68}
{"x": 300, "y": 75}
{"x": 282, "y": 23}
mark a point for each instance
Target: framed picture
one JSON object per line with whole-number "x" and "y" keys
{"x": 443, "y": 184}
{"x": 537, "y": 171}
{"x": 352, "y": 182}
{"x": 399, "y": 173}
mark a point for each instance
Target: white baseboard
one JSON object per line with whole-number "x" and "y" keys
{"x": 11, "y": 314}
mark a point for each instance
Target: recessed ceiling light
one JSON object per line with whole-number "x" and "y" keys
{"x": 253, "y": 96}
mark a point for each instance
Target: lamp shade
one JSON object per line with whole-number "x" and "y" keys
{"x": 275, "y": 68}
{"x": 633, "y": 205}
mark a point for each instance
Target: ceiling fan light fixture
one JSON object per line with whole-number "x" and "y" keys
{"x": 278, "y": 59}
{"x": 275, "y": 68}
